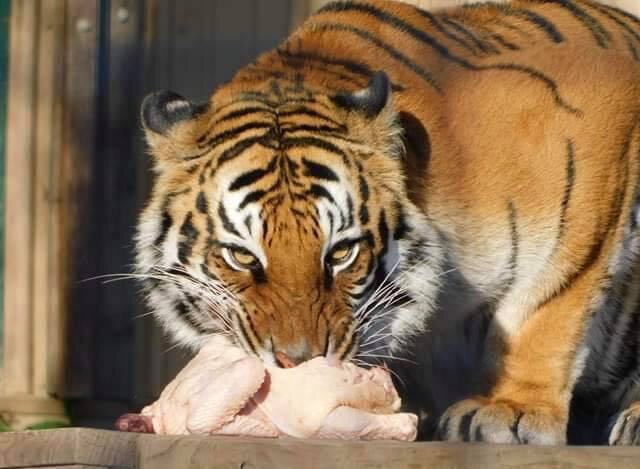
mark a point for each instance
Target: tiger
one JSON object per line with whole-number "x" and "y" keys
{"x": 453, "y": 193}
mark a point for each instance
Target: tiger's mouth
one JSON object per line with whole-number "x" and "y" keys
{"x": 339, "y": 344}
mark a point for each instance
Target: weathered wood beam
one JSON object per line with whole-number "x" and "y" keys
{"x": 86, "y": 447}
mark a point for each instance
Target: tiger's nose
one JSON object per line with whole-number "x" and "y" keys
{"x": 284, "y": 361}
{"x": 292, "y": 356}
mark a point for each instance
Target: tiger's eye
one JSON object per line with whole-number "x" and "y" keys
{"x": 341, "y": 254}
{"x": 243, "y": 258}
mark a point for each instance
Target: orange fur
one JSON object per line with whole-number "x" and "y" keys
{"x": 518, "y": 116}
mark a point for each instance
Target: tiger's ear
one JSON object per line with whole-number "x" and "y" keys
{"x": 169, "y": 120}
{"x": 371, "y": 115}
{"x": 163, "y": 109}
{"x": 371, "y": 100}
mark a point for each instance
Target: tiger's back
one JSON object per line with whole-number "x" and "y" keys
{"x": 515, "y": 200}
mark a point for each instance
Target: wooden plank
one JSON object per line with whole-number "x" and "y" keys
{"x": 230, "y": 452}
{"x": 34, "y": 331}
{"x": 18, "y": 321}
{"x": 73, "y": 466}
{"x": 68, "y": 447}
{"x": 49, "y": 318}
{"x": 76, "y": 176}
{"x": 86, "y": 447}
{"x": 5, "y": 17}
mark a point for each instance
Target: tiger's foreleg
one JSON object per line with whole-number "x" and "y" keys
{"x": 538, "y": 366}
{"x": 626, "y": 430}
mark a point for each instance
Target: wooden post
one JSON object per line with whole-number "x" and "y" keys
{"x": 49, "y": 141}
{"x": 32, "y": 330}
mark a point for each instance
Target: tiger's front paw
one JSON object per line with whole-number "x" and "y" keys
{"x": 501, "y": 422}
{"x": 626, "y": 430}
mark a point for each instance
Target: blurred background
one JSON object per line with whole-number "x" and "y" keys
{"x": 74, "y": 175}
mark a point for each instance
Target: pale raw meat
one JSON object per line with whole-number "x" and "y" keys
{"x": 223, "y": 391}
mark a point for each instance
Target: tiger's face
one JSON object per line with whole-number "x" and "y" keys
{"x": 273, "y": 213}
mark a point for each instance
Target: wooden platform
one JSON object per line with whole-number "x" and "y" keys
{"x": 76, "y": 448}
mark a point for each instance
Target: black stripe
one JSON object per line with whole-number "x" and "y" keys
{"x": 258, "y": 96}
{"x": 298, "y": 63}
{"x": 290, "y": 127}
{"x": 307, "y": 61}
{"x": 353, "y": 344}
{"x": 165, "y": 226}
{"x": 275, "y": 89}
{"x": 422, "y": 36}
{"x": 328, "y": 276}
{"x": 253, "y": 176}
{"x": 167, "y": 219}
{"x": 201, "y": 203}
{"x": 354, "y": 67}
{"x": 185, "y": 314}
{"x": 243, "y": 145}
{"x": 539, "y": 21}
{"x": 246, "y": 335}
{"x": 480, "y": 44}
{"x": 245, "y": 111}
{"x": 252, "y": 197}
{"x": 234, "y": 132}
{"x": 319, "y": 192}
{"x": 436, "y": 24}
{"x": 305, "y": 111}
{"x": 516, "y": 423}
{"x": 401, "y": 223}
{"x": 500, "y": 22}
{"x": 206, "y": 271}
{"x": 533, "y": 73}
{"x": 383, "y": 232}
{"x": 503, "y": 42}
{"x": 330, "y": 215}
{"x": 189, "y": 235}
{"x": 624, "y": 13}
{"x": 601, "y": 35}
{"x": 601, "y": 9}
{"x": 364, "y": 188}
{"x": 226, "y": 222}
{"x": 319, "y": 171}
{"x": 349, "y": 211}
{"x": 350, "y": 345}
{"x": 623, "y": 428}
{"x": 393, "y": 52}
{"x": 568, "y": 189}
{"x": 363, "y": 214}
{"x": 596, "y": 249}
{"x": 196, "y": 156}
{"x": 464, "y": 426}
{"x": 302, "y": 142}
{"x": 632, "y": 48}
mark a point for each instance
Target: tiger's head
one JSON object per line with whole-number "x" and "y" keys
{"x": 276, "y": 211}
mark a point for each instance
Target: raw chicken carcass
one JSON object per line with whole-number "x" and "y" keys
{"x": 224, "y": 391}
